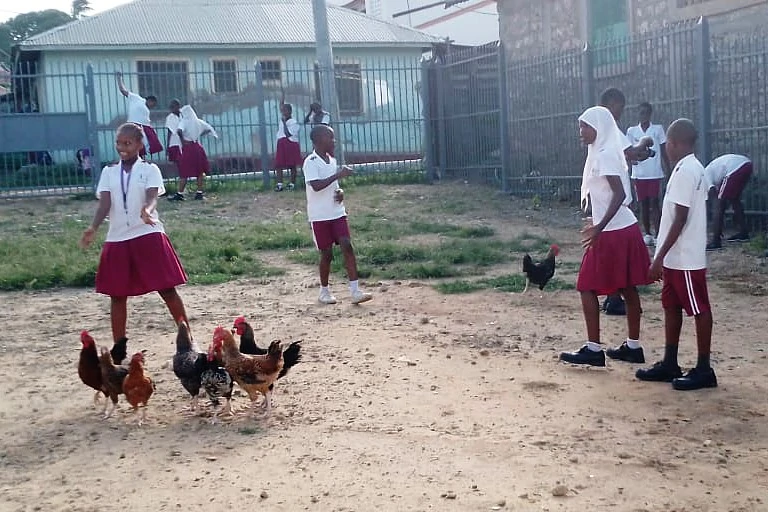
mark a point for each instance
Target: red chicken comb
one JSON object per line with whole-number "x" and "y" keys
{"x": 85, "y": 337}
{"x": 555, "y": 248}
{"x": 239, "y": 320}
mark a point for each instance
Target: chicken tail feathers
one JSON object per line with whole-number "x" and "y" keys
{"x": 291, "y": 357}
{"x": 527, "y": 263}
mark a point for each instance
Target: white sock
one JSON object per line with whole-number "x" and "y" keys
{"x": 354, "y": 286}
{"x": 594, "y": 347}
{"x": 324, "y": 289}
{"x": 633, "y": 344}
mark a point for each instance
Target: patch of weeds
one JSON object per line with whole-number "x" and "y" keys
{"x": 460, "y": 286}
{"x": 452, "y": 230}
{"x": 506, "y": 283}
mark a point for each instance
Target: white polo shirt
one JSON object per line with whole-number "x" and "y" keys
{"x": 688, "y": 186}
{"x": 138, "y": 112}
{"x": 172, "y": 124}
{"x": 322, "y": 205}
{"x": 293, "y": 128}
{"x": 125, "y": 212}
{"x": 723, "y": 166}
{"x": 650, "y": 168}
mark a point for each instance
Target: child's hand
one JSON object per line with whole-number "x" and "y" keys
{"x": 147, "y": 217}
{"x": 656, "y": 270}
{"x": 339, "y": 195}
{"x": 119, "y": 74}
{"x": 589, "y": 236}
{"x": 87, "y": 238}
{"x": 346, "y": 171}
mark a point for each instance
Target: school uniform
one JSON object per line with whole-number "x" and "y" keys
{"x": 685, "y": 265}
{"x": 194, "y": 161}
{"x": 138, "y": 113}
{"x": 648, "y": 174}
{"x": 174, "y": 143}
{"x": 323, "y": 118}
{"x": 288, "y": 152}
{"x": 327, "y": 217}
{"x": 729, "y": 174}
{"x": 137, "y": 258}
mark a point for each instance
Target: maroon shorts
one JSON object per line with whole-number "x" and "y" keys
{"x": 329, "y": 232}
{"x": 154, "y": 141}
{"x": 685, "y": 289}
{"x": 647, "y": 189}
{"x": 138, "y": 266}
{"x": 617, "y": 261}
{"x": 288, "y": 154}
{"x": 174, "y": 154}
{"x": 193, "y": 162}
{"x": 734, "y": 184}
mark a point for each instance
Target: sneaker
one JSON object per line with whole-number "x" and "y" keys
{"x": 359, "y": 296}
{"x": 714, "y": 246}
{"x": 659, "y": 372}
{"x": 649, "y": 240}
{"x": 584, "y": 356}
{"x": 279, "y": 187}
{"x": 199, "y": 195}
{"x": 291, "y": 187}
{"x": 176, "y": 197}
{"x": 738, "y": 237}
{"x": 326, "y": 297}
{"x": 697, "y": 378}
{"x": 624, "y": 353}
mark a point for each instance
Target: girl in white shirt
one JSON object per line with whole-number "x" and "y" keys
{"x": 173, "y": 143}
{"x": 138, "y": 113}
{"x": 615, "y": 256}
{"x": 194, "y": 161}
{"x": 288, "y": 152}
{"x": 137, "y": 256}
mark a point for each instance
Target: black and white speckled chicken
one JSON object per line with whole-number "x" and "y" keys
{"x": 217, "y": 382}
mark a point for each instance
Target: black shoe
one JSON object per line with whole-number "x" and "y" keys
{"x": 199, "y": 196}
{"x": 697, "y": 378}
{"x": 714, "y": 246}
{"x": 624, "y": 353}
{"x": 614, "y": 306}
{"x": 584, "y": 356}
{"x": 738, "y": 237}
{"x": 176, "y": 197}
{"x": 659, "y": 372}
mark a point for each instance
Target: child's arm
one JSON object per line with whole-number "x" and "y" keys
{"x": 150, "y": 203}
{"x": 318, "y": 185}
{"x": 120, "y": 84}
{"x": 105, "y": 203}
{"x": 181, "y": 135}
{"x": 665, "y": 163}
{"x": 681, "y": 217}
{"x": 591, "y": 233}
{"x": 308, "y": 117}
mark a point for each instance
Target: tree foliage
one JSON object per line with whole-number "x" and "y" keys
{"x": 27, "y": 25}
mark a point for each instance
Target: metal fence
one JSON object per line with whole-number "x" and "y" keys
{"x": 380, "y": 124}
{"x": 718, "y": 82}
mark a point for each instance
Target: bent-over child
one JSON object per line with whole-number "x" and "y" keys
{"x": 728, "y": 176}
{"x": 193, "y": 162}
{"x": 138, "y": 113}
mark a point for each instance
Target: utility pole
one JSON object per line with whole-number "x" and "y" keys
{"x": 327, "y": 72}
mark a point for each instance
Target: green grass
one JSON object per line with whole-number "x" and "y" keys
{"x": 506, "y": 283}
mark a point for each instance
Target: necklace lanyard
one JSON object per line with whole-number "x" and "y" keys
{"x": 125, "y": 187}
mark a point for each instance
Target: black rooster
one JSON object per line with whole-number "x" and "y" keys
{"x": 291, "y": 355}
{"x": 540, "y": 273}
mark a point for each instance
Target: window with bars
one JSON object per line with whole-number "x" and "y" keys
{"x": 164, "y": 79}
{"x": 349, "y": 88}
{"x": 225, "y": 76}
{"x": 608, "y": 28}
{"x": 271, "y": 71}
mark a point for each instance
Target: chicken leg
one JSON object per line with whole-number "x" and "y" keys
{"x": 527, "y": 283}
{"x": 96, "y": 399}
{"x": 108, "y": 414}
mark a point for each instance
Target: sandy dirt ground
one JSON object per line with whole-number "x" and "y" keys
{"x": 415, "y": 401}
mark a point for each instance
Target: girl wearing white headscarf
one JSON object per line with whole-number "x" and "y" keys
{"x": 615, "y": 256}
{"x": 193, "y": 162}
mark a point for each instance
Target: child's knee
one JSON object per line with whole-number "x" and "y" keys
{"x": 345, "y": 244}
{"x": 326, "y": 254}
{"x": 168, "y": 293}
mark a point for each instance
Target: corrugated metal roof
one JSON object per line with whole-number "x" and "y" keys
{"x": 206, "y": 23}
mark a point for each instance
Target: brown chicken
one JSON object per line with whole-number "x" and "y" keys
{"x": 254, "y": 374}
{"x": 112, "y": 378}
{"x": 88, "y": 366}
{"x": 137, "y": 386}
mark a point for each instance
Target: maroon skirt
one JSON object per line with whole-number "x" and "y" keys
{"x": 174, "y": 154}
{"x": 154, "y": 141}
{"x": 138, "y": 266}
{"x": 618, "y": 260}
{"x": 193, "y": 162}
{"x": 288, "y": 154}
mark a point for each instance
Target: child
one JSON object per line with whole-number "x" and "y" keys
{"x": 681, "y": 261}
{"x": 649, "y": 173}
{"x": 327, "y": 215}
{"x": 173, "y": 143}
{"x": 317, "y": 115}
{"x": 193, "y": 162}
{"x": 83, "y": 156}
{"x": 138, "y": 113}
{"x": 615, "y": 257}
{"x": 288, "y": 153}
{"x": 137, "y": 257}
{"x": 728, "y": 175}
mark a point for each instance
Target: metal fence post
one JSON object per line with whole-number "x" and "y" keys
{"x": 93, "y": 134}
{"x": 264, "y": 156}
{"x": 442, "y": 137}
{"x": 427, "y": 115}
{"x": 705, "y": 96}
{"x": 504, "y": 119}
{"x": 587, "y": 78}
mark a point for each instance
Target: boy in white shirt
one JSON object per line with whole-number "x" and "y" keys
{"x": 327, "y": 215}
{"x": 173, "y": 142}
{"x": 728, "y": 176}
{"x": 648, "y": 174}
{"x": 139, "y": 113}
{"x": 681, "y": 261}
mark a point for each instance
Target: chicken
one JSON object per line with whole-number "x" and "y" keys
{"x": 138, "y": 386}
{"x": 111, "y": 379}
{"x": 189, "y": 363}
{"x": 88, "y": 366}
{"x": 217, "y": 382}
{"x": 254, "y": 374}
{"x": 540, "y": 273}
{"x": 291, "y": 355}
